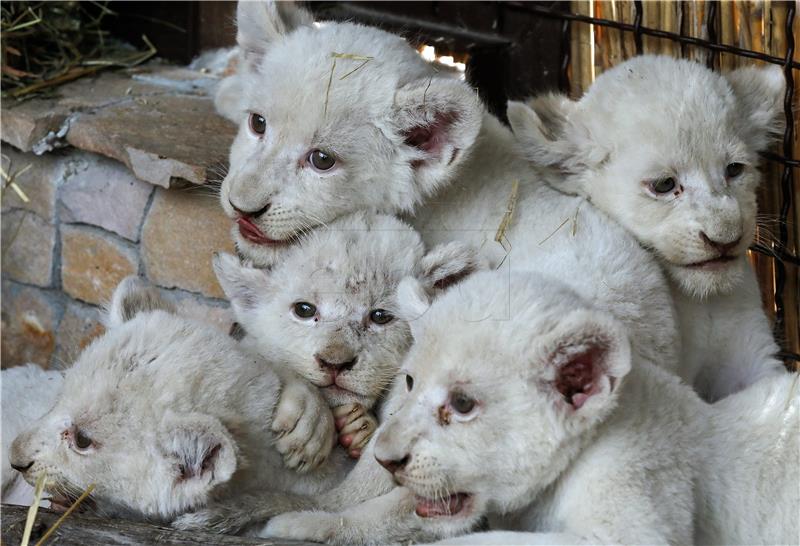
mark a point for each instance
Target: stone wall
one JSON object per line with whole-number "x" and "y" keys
{"x": 89, "y": 221}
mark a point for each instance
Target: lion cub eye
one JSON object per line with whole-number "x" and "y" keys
{"x": 381, "y": 316}
{"x": 733, "y": 170}
{"x": 664, "y": 185}
{"x": 257, "y": 124}
{"x": 409, "y": 382}
{"x": 462, "y": 403}
{"x": 321, "y": 161}
{"x": 304, "y": 310}
{"x": 82, "y": 441}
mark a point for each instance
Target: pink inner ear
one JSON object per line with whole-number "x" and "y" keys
{"x": 431, "y": 138}
{"x": 579, "y": 378}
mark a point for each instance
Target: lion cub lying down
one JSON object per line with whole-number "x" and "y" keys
{"x": 532, "y": 412}
{"x": 162, "y": 414}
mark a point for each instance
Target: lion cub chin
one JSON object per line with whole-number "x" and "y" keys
{"x": 162, "y": 414}
{"x": 327, "y": 311}
{"x": 670, "y": 150}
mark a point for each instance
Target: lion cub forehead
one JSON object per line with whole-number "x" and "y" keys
{"x": 356, "y": 250}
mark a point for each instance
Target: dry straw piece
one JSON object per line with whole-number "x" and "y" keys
{"x": 66, "y": 514}
{"x": 46, "y": 44}
{"x": 34, "y": 508}
{"x": 500, "y": 236}
{"x": 349, "y": 56}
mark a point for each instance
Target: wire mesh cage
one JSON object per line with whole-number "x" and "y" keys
{"x": 596, "y": 35}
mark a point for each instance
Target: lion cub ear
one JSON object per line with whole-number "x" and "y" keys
{"x": 759, "y": 93}
{"x": 583, "y": 363}
{"x": 260, "y": 24}
{"x": 448, "y": 264}
{"x": 437, "y": 118}
{"x": 200, "y": 451}
{"x": 243, "y": 284}
{"x": 131, "y": 297}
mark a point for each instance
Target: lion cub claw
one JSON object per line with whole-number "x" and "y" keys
{"x": 355, "y": 426}
{"x": 303, "y": 425}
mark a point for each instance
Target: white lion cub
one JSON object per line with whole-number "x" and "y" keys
{"x": 392, "y": 135}
{"x": 670, "y": 150}
{"x": 327, "y": 311}
{"x": 546, "y": 423}
{"x": 163, "y": 414}
{"x": 535, "y": 416}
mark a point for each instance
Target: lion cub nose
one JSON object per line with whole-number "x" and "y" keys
{"x": 250, "y": 213}
{"x": 337, "y": 357}
{"x": 338, "y": 365}
{"x": 21, "y": 467}
{"x": 393, "y": 465}
{"x": 722, "y": 248}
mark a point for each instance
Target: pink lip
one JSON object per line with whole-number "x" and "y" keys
{"x": 252, "y": 233}
{"x": 718, "y": 263}
{"x": 448, "y": 506}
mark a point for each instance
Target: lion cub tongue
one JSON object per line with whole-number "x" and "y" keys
{"x": 447, "y": 506}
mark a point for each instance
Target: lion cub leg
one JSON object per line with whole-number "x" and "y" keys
{"x": 355, "y": 426}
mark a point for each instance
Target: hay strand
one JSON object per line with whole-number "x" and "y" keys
{"x": 11, "y": 181}
{"x": 34, "y": 508}
{"x": 347, "y": 56}
{"x": 66, "y": 514}
{"x": 508, "y": 215}
{"x": 564, "y": 223}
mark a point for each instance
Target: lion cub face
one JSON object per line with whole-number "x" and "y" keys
{"x": 500, "y": 393}
{"x": 376, "y": 131}
{"x": 119, "y": 425}
{"x": 328, "y": 310}
{"x": 670, "y": 150}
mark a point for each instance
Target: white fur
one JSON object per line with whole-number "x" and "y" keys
{"x": 643, "y": 461}
{"x": 28, "y": 392}
{"x": 620, "y": 469}
{"x": 408, "y": 140}
{"x": 656, "y": 117}
{"x": 176, "y": 413}
{"x": 345, "y": 270}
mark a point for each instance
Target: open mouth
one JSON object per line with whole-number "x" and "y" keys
{"x": 442, "y": 507}
{"x": 252, "y": 233}
{"x": 713, "y": 264}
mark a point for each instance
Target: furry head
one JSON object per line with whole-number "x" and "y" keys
{"x": 354, "y": 106}
{"x": 670, "y": 150}
{"x": 138, "y": 415}
{"x": 328, "y": 310}
{"x": 545, "y": 363}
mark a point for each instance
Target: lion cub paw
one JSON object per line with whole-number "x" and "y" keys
{"x": 304, "y": 427}
{"x": 306, "y": 526}
{"x": 355, "y": 426}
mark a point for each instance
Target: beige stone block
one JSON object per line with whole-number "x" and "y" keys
{"x": 93, "y": 263}
{"x": 181, "y": 232}
{"x": 28, "y": 246}
{"x": 28, "y": 320}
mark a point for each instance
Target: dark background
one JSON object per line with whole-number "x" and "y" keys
{"x": 510, "y": 53}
